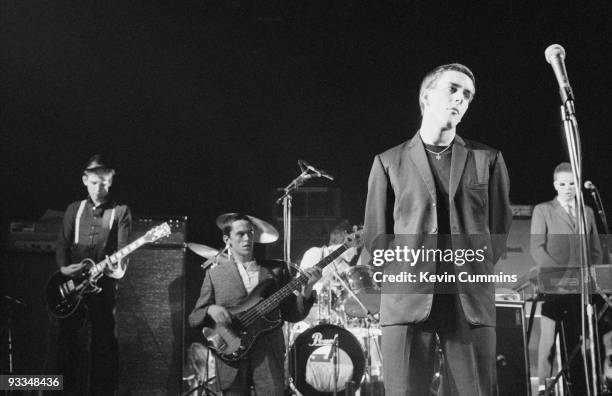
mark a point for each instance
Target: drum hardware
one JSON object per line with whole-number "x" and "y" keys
{"x": 360, "y": 281}
{"x": 9, "y": 305}
{"x": 352, "y": 294}
{"x": 293, "y": 388}
{"x": 369, "y": 316}
{"x": 202, "y": 385}
{"x": 213, "y": 256}
{"x": 202, "y": 364}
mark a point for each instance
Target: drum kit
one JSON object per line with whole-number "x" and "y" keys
{"x": 337, "y": 346}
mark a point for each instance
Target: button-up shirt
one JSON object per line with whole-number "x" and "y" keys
{"x": 95, "y": 240}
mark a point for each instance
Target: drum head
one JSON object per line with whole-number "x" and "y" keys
{"x": 370, "y": 298}
{"x": 312, "y": 366}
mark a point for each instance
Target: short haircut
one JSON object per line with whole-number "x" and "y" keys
{"x": 100, "y": 172}
{"x": 562, "y": 167}
{"x": 340, "y": 227}
{"x": 431, "y": 78}
{"x": 231, "y": 219}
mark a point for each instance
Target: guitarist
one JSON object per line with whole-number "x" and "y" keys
{"x": 227, "y": 285}
{"x": 92, "y": 228}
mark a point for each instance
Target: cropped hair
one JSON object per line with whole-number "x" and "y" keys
{"x": 431, "y": 78}
{"x": 229, "y": 220}
{"x": 562, "y": 167}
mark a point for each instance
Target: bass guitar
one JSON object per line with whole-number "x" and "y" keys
{"x": 233, "y": 341}
{"x": 64, "y": 293}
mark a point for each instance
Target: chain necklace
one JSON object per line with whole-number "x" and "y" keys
{"x": 439, "y": 153}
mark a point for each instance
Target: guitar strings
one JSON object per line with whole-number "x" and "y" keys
{"x": 254, "y": 313}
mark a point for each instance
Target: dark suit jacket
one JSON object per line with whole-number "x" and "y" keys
{"x": 223, "y": 286}
{"x": 402, "y": 200}
{"x": 553, "y": 243}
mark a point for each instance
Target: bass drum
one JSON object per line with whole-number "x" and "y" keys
{"x": 312, "y": 367}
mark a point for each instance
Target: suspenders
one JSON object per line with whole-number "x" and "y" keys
{"x": 77, "y": 224}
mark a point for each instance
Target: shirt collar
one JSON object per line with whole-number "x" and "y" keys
{"x": 564, "y": 205}
{"x": 109, "y": 203}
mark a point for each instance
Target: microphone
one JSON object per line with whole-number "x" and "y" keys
{"x": 320, "y": 172}
{"x": 589, "y": 185}
{"x": 555, "y": 55}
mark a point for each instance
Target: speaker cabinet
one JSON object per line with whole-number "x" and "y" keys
{"x": 150, "y": 322}
{"x": 512, "y": 357}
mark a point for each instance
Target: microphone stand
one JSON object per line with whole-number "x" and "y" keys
{"x": 588, "y": 345}
{"x": 335, "y": 364}
{"x": 285, "y": 199}
{"x": 604, "y": 221}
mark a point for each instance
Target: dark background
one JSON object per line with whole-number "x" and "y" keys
{"x": 206, "y": 106}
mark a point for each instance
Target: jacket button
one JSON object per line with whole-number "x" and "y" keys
{"x": 433, "y": 204}
{"x": 434, "y": 231}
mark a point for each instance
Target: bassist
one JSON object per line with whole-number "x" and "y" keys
{"x": 226, "y": 285}
{"x": 92, "y": 228}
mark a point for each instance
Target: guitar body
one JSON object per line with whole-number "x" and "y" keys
{"x": 64, "y": 294}
{"x": 254, "y": 315}
{"x": 232, "y": 342}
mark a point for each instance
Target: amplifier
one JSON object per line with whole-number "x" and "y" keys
{"x": 178, "y": 226}
{"x": 40, "y": 236}
{"x": 512, "y": 355}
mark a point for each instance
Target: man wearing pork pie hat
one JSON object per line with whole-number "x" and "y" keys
{"x": 228, "y": 283}
{"x": 94, "y": 228}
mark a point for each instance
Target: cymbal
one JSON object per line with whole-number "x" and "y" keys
{"x": 264, "y": 231}
{"x": 203, "y": 250}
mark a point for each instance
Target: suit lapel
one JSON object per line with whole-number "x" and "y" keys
{"x": 458, "y": 159}
{"x": 416, "y": 152}
{"x": 562, "y": 213}
{"x": 234, "y": 277}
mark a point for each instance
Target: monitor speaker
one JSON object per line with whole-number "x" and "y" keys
{"x": 512, "y": 356}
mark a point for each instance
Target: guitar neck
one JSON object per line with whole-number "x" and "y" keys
{"x": 118, "y": 255}
{"x": 274, "y": 300}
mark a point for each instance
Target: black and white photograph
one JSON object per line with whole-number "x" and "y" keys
{"x": 309, "y": 198}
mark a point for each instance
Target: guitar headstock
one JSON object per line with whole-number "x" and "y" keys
{"x": 355, "y": 239}
{"x": 157, "y": 232}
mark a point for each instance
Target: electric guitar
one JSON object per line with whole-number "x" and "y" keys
{"x": 65, "y": 293}
{"x": 233, "y": 341}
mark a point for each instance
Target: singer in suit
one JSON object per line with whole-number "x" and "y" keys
{"x": 554, "y": 244}
{"x": 226, "y": 285}
{"x": 433, "y": 190}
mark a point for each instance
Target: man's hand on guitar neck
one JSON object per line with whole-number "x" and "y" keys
{"x": 219, "y": 314}
{"x": 72, "y": 270}
{"x": 314, "y": 274}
